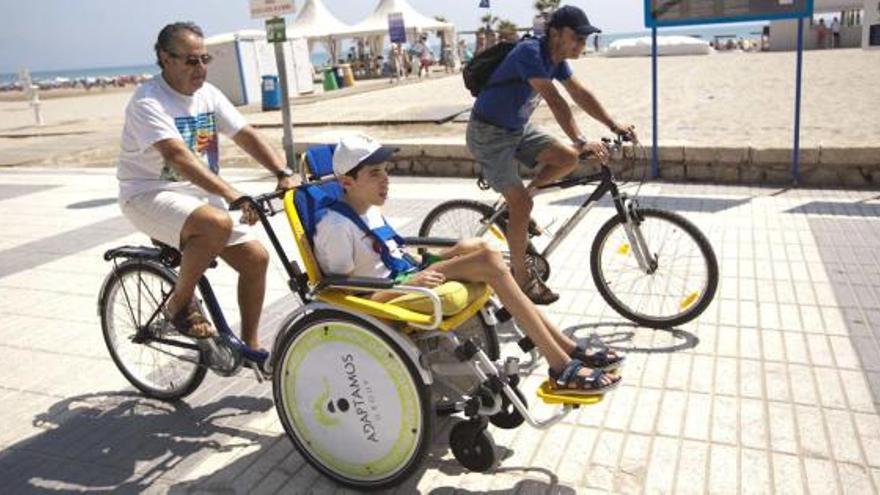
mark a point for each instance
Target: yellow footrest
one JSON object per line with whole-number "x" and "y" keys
{"x": 550, "y": 396}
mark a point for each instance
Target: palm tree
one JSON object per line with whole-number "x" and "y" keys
{"x": 507, "y": 31}
{"x": 546, "y": 6}
{"x": 489, "y": 22}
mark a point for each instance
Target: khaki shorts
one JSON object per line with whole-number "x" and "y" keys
{"x": 497, "y": 150}
{"x": 161, "y": 214}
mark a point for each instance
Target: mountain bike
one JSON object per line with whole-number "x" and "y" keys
{"x": 653, "y": 266}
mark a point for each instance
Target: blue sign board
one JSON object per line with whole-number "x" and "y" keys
{"x": 484, "y": 4}
{"x": 396, "y": 28}
{"x": 663, "y": 13}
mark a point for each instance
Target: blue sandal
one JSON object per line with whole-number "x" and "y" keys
{"x": 605, "y": 360}
{"x": 569, "y": 381}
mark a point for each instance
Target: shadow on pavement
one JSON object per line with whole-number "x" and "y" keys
{"x": 621, "y": 335}
{"x": 837, "y": 208}
{"x": 680, "y": 204}
{"x": 121, "y": 441}
{"x": 91, "y": 203}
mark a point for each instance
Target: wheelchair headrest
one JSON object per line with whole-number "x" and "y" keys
{"x": 320, "y": 160}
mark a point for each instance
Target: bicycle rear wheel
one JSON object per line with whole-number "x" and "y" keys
{"x": 464, "y": 219}
{"x": 131, "y": 295}
{"x": 677, "y": 291}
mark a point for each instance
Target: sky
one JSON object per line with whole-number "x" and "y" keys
{"x": 73, "y": 34}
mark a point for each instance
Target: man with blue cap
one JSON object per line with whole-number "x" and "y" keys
{"x": 499, "y": 132}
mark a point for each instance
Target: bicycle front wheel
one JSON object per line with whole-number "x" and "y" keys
{"x": 131, "y": 295}
{"x": 677, "y": 290}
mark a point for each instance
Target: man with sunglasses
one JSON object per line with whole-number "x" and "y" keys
{"x": 499, "y": 133}
{"x": 169, "y": 182}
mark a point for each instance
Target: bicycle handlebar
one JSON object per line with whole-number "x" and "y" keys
{"x": 612, "y": 144}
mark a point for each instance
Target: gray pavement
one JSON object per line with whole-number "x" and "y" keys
{"x": 775, "y": 388}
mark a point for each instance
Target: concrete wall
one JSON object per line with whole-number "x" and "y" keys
{"x": 823, "y": 167}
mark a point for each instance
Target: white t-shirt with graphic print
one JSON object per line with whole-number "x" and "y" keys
{"x": 157, "y": 112}
{"x": 344, "y": 249}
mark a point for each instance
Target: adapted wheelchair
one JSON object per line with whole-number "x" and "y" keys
{"x": 359, "y": 384}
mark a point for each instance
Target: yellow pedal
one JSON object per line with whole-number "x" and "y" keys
{"x": 550, "y": 396}
{"x": 623, "y": 249}
{"x": 495, "y": 231}
{"x": 687, "y": 301}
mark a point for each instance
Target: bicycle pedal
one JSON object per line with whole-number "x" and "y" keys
{"x": 257, "y": 371}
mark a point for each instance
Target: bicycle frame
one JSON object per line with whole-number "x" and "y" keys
{"x": 169, "y": 259}
{"x": 625, "y": 206}
{"x": 605, "y": 185}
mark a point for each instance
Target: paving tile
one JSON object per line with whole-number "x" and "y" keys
{"x": 788, "y": 474}
{"x": 779, "y": 389}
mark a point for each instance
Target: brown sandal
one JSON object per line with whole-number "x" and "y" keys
{"x": 188, "y": 318}
{"x": 539, "y": 293}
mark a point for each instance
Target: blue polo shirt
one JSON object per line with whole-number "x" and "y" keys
{"x": 511, "y": 105}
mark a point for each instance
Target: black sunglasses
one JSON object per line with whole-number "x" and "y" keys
{"x": 194, "y": 60}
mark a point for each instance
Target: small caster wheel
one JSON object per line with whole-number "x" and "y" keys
{"x": 509, "y": 417}
{"x": 472, "y": 446}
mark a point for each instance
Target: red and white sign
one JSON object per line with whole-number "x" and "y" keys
{"x": 271, "y": 8}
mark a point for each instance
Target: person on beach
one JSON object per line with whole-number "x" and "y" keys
{"x": 342, "y": 247}
{"x": 835, "y": 33}
{"x": 169, "y": 179}
{"x": 821, "y": 33}
{"x": 426, "y": 57}
{"x": 499, "y": 132}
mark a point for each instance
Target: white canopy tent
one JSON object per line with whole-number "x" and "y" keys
{"x": 318, "y": 25}
{"x": 375, "y": 27}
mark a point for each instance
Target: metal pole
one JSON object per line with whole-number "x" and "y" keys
{"x": 287, "y": 140}
{"x": 655, "y": 165}
{"x": 795, "y": 159}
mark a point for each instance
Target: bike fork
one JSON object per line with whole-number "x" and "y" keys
{"x": 633, "y": 229}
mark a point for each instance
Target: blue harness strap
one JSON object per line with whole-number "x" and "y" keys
{"x": 382, "y": 234}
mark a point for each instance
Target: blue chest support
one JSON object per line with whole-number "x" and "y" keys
{"x": 381, "y": 234}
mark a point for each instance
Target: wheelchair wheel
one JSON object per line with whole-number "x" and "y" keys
{"x": 473, "y": 445}
{"x": 677, "y": 290}
{"x": 463, "y": 218}
{"x": 351, "y": 400}
{"x": 130, "y": 296}
{"x": 509, "y": 417}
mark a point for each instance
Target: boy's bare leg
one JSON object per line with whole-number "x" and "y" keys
{"x": 487, "y": 266}
{"x": 464, "y": 246}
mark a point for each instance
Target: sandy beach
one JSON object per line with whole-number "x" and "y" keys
{"x": 721, "y": 100}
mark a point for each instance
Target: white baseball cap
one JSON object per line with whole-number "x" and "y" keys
{"x": 358, "y": 149}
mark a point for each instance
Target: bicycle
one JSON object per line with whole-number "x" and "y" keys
{"x": 632, "y": 255}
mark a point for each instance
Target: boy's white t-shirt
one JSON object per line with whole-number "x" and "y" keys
{"x": 344, "y": 249}
{"x": 157, "y": 112}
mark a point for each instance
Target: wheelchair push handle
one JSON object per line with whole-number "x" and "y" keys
{"x": 261, "y": 203}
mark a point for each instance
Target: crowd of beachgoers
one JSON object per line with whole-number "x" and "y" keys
{"x": 86, "y": 83}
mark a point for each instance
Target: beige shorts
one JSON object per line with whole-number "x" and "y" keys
{"x": 161, "y": 214}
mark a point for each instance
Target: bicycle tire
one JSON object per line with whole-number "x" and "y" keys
{"x": 433, "y": 226}
{"x": 146, "y": 297}
{"x": 693, "y": 300}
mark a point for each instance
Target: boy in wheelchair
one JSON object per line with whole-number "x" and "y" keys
{"x": 343, "y": 246}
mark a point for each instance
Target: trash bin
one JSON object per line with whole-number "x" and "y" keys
{"x": 330, "y": 79}
{"x": 347, "y": 75}
{"x": 271, "y": 93}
